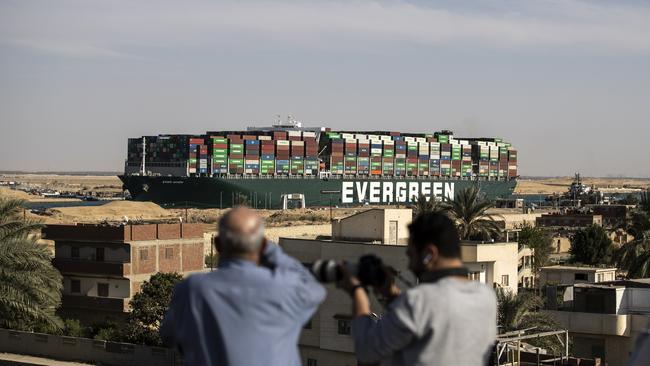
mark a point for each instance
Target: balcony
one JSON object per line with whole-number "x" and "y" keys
{"x": 78, "y": 266}
{"x": 113, "y": 304}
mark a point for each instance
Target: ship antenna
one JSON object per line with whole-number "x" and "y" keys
{"x": 144, "y": 154}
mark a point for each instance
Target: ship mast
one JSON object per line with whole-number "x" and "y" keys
{"x": 144, "y": 154}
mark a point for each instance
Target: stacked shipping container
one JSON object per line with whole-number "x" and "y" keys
{"x": 353, "y": 154}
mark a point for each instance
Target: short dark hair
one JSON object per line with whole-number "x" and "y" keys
{"x": 436, "y": 229}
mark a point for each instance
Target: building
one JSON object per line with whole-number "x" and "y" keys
{"x": 569, "y": 275}
{"x": 326, "y": 338}
{"x": 613, "y": 215}
{"x": 386, "y": 226}
{"x": 103, "y": 266}
{"x": 603, "y": 319}
{"x": 569, "y": 220}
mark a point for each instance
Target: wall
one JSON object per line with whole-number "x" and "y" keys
{"x": 113, "y": 252}
{"x": 364, "y": 226}
{"x": 326, "y": 357}
{"x": 403, "y": 218}
{"x": 85, "y": 350}
{"x": 373, "y": 225}
{"x": 116, "y": 287}
{"x": 498, "y": 258}
{"x": 567, "y": 276}
{"x": 616, "y": 333}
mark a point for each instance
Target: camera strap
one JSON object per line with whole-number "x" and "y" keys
{"x": 435, "y": 276}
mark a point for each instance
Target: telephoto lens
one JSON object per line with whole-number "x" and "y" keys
{"x": 369, "y": 270}
{"x": 327, "y": 270}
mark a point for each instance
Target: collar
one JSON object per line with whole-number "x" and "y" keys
{"x": 437, "y": 275}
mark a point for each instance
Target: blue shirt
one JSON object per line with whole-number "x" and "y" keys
{"x": 243, "y": 314}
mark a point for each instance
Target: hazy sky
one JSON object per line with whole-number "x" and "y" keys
{"x": 568, "y": 82}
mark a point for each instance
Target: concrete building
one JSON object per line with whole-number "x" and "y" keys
{"x": 103, "y": 266}
{"x": 386, "y": 226}
{"x": 569, "y": 220}
{"x": 326, "y": 338}
{"x": 603, "y": 319}
{"x": 569, "y": 275}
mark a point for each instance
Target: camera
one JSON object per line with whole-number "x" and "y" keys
{"x": 369, "y": 269}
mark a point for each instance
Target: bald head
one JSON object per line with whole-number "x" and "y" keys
{"x": 241, "y": 232}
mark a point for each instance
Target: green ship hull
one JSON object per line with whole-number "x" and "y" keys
{"x": 273, "y": 192}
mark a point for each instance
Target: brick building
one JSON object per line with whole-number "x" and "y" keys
{"x": 103, "y": 266}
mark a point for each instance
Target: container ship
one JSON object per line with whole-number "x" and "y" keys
{"x": 288, "y": 165}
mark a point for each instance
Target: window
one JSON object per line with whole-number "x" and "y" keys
{"x": 144, "y": 254}
{"x": 344, "y": 326}
{"x": 99, "y": 254}
{"x": 505, "y": 280}
{"x": 474, "y": 276}
{"x": 169, "y": 253}
{"x": 580, "y": 277}
{"x": 102, "y": 289}
{"x": 74, "y": 252}
{"x": 312, "y": 362}
{"x": 75, "y": 286}
{"x": 600, "y": 277}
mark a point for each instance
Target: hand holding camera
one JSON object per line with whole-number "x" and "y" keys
{"x": 369, "y": 271}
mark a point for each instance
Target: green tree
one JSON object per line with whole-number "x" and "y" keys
{"x": 30, "y": 287}
{"x": 148, "y": 308}
{"x": 424, "y": 204}
{"x": 591, "y": 246}
{"x": 521, "y": 311}
{"x": 469, "y": 209}
{"x": 74, "y": 328}
{"x": 537, "y": 239}
{"x": 634, "y": 256}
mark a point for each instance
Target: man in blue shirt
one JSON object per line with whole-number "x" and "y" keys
{"x": 248, "y": 312}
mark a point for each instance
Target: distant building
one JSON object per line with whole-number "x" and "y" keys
{"x": 569, "y": 220}
{"x": 103, "y": 266}
{"x": 385, "y": 226}
{"x": 569, "y": 275}
{"x": 603, "y": 319}
{"x": 612, "y": 215}
{"x": 326, "y": 339}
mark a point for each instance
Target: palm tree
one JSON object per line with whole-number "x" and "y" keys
{"x": 30, "y": 287}
{"x": 469, "y": 209}
{"x": 521, "y": 311}
{"x": 424, "y": 204}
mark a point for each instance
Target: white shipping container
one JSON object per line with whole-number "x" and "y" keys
{"x": 420, "y": 139}
{"x": 295, "y": 133}
{"x": 373, "y": 137}
{"x": 386, "y": 138}
{"x": 282, "y": 142}
{"x": 409, "y": 139}
{"x": 360, "y": 136}
{"x": 264, "y": 138}
{"x": 346, "y": 136}
{"x": 375, "y": 151}
{"x": 297, "y": 143}
{"x": 389, "y": 143}
{"x": 309, "y": 134}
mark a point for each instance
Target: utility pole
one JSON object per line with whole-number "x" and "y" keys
{"x": 330, "y": 192}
